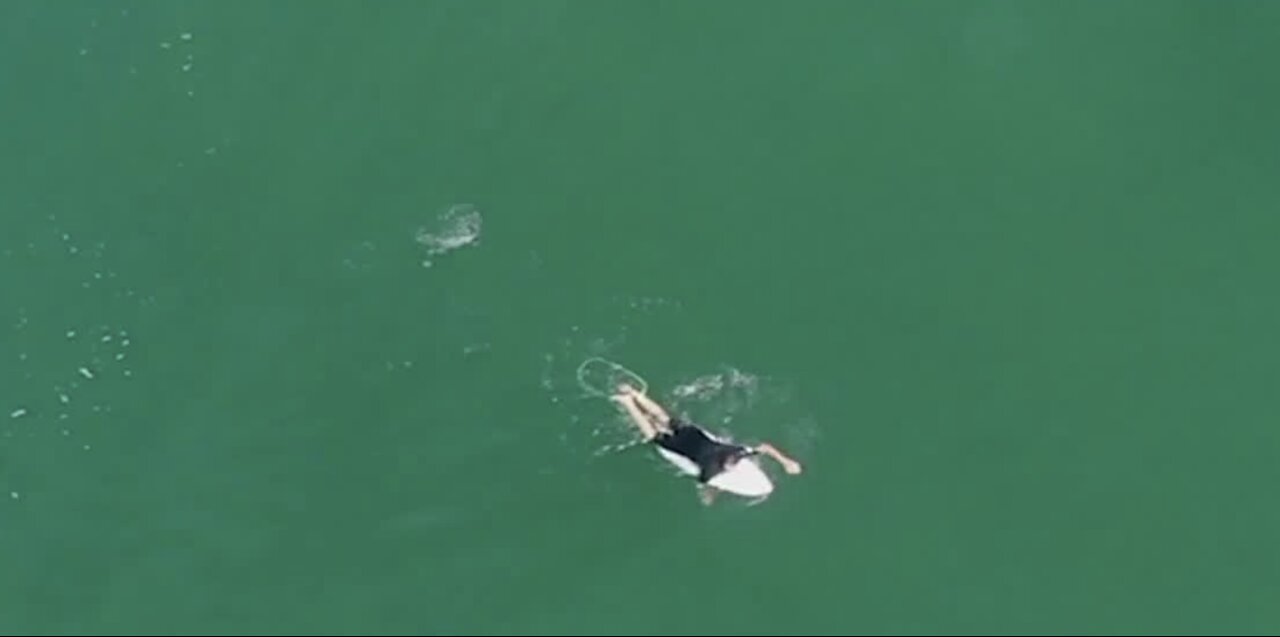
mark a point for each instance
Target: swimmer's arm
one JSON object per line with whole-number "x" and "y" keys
{"x": 642, "y": 421}
{"x": 707, "y": 494}
{"x": 790, "y": 466}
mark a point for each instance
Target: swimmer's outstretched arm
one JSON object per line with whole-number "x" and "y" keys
{"x": 637, "y": 415}
{"x": 790, "y": 466}
{"x": 649, "y": 405}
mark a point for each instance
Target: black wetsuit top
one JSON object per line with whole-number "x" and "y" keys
{"x": 711, "y": 455}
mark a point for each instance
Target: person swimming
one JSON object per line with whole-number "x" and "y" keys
{"x": 718, "y": 464}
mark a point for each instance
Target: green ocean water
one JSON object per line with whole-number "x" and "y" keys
{"x": 292, "y": 295}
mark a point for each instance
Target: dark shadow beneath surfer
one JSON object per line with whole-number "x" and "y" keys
{"x": 716, "y": 463}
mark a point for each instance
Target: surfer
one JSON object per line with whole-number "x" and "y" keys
{"x": 718, "y": 464}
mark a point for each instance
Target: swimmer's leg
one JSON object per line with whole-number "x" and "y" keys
{"x": 652, "y": 408}
{"x": 638, "y": 416}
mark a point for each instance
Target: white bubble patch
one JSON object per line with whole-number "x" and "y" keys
{"x": 455, "y": 228}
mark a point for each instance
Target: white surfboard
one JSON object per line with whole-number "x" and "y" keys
{"x": 685, "y": 465}
{"x": 744, "y": 478}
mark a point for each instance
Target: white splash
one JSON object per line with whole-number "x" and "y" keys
{"x": 701, "y": 388}
{"x": 457, "y": 227}
{"x": 711, "y": 385}
{"x": 739, "y": 379}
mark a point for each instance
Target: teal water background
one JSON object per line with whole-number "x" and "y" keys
{"x": 1001, "y": 274}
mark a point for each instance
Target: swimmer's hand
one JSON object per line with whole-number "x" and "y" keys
{"x": 626, "y": 389}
